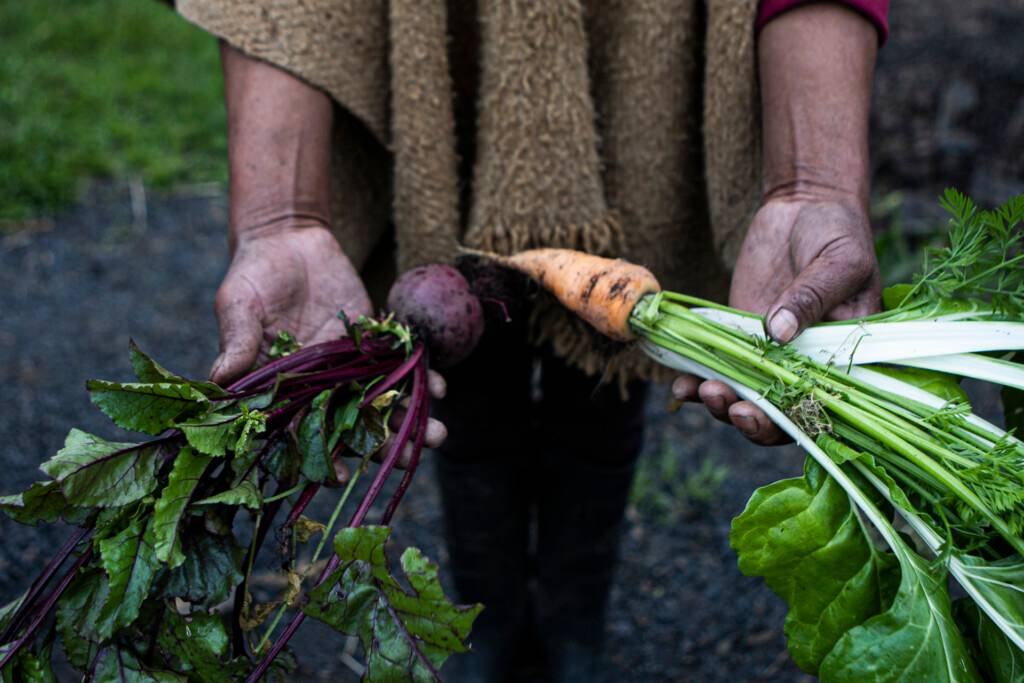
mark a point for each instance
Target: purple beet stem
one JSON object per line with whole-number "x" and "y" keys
{"x": 414, "y": 461}
{"x": 43, "y": 611}
{"x": 37, "y": 586}
{"x": 261, "y": 380}
{"x": 416, "y": 414}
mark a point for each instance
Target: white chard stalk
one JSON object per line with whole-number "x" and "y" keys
{"x": 875, "y": 403}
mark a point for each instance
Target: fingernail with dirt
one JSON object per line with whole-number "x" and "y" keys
{"x": 747, "y": 424}
{"x": 783, "y": 325}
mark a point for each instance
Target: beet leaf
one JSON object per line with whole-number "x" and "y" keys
{"x": 95, "y": 472}
{"x": 136, "y": 593}
{"x": 407, "y": 635}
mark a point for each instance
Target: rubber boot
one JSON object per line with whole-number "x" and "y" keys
{"x": 591, "y": 447}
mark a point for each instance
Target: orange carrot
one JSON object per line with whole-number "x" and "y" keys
{"x": 601, "y": 291}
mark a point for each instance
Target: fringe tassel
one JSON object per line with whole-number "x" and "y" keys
{"x": 581, "y": 347}
{"x": 603, "y": 237}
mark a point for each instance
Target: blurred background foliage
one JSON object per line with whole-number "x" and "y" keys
{"x": 104, "y": 89}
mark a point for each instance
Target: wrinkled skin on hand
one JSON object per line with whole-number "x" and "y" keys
{"x": 288, "y": 272}
{"x": 802, "y": 261}
{"x": 808, "y": 253}
{"x": 295, "y": 278}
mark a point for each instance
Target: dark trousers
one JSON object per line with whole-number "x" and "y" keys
{"x": 535, "y": 476}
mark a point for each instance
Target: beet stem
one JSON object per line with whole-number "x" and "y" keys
{"x": 308, "y": 353}
{"x": 300, "y": 505}
{"x": 417, "y": 400}
{"x": 44, "y": 578}
{"x": 44, "y": 611}
{"x": 393, "y": 378}
{"x": 414, "y": 460}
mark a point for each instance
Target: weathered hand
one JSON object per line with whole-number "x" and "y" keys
{"x": 803, "y": 260}
{"x": 293, "y": 277}
{"x": 288, "y": 272}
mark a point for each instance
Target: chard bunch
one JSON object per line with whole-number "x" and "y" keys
{"x": 893, "y": 448}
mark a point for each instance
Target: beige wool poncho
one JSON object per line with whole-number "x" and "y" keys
{"x": 620, "y": 127}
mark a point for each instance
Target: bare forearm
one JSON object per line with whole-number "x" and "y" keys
{"x": 279, "y": 132}
{"x": 817, "y": 64}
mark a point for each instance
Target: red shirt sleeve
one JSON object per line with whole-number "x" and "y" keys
{"x": 875, "y": 11}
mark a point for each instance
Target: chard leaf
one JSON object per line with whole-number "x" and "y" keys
{"x": 43, "y": 501}
{"x": 94, "y": 472}
{"x": 894, "y": 295}
{"x": 941, "y": 384}
{"x": 210, "y": 571}
{"x": 312, "y": 438}
{"x": 997, "y": 658}
{"x": 212, "y": 435}
{"x": 368, "y": 434}
{"x": 169, "y": 508}
{"x": 1001, "y": 585}
{"x": 407, "y": 636}
{"x": 841, "y": 453}
{"x": 242, "y": 462}
{"x": 200, "y": 642}
{"x": 117, "y": 665}
{"x": 150, "y": 408}
{"x": 149, "y": 371}
{"x": 259, "y": 401}
{"x": 916, "y": 639}
{"x": 804, "y": 538}
{"x": 130, "y": 563}
{"x": 247, "y": 493}
{"x": 112, "y": 521}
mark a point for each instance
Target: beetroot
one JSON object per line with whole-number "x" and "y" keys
{"x": 436, "y": 301}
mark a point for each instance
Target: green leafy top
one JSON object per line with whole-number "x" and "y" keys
{"x": 407, "y": 635}
{"x": 158, "y": 550}
{"x": 981, "y": 266}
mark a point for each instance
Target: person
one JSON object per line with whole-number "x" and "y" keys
{"x": 687, "y": 136}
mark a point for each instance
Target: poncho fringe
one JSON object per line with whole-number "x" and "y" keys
{"x": 620, "y": 127}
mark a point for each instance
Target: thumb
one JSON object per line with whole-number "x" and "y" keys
{"x": 241, "y": 334}
{"x": 820, "y": 287}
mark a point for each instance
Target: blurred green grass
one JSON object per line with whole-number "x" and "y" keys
{"x": 104, "y": 89}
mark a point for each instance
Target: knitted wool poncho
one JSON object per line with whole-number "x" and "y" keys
{"x": 627, "y": 128}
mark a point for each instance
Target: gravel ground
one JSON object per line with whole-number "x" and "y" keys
{"x": 948, "y": 109}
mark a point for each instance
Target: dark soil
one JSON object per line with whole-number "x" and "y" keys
{"x": 949, "y": 109}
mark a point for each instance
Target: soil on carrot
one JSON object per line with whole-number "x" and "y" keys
{"x": 75, "y": 286}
